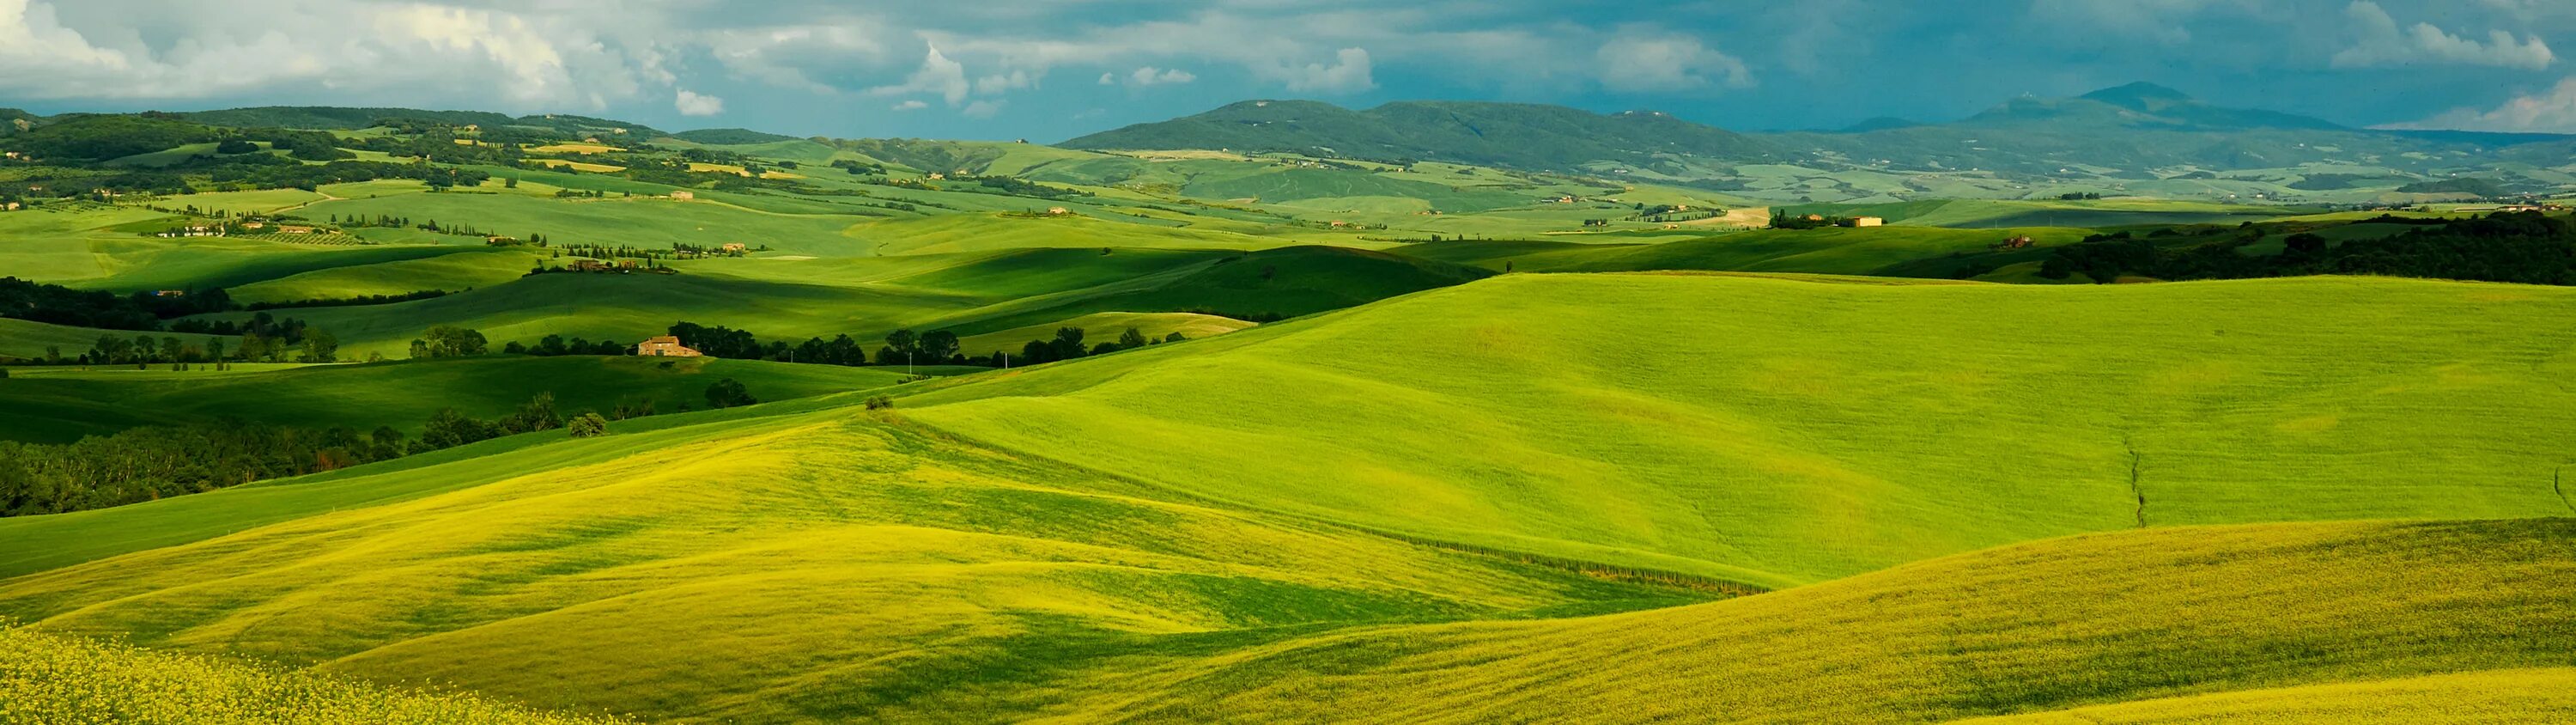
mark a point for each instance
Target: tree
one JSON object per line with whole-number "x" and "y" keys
{"x": 939, "y": 347}
{"x": 728, "y": 393}
{"x": 879, "y": 402}
{"x": 1068, "y": 343}
{"x": 449, "y": 341}
{"x": 1132, "y": 339}
{"x": 535, "y": 415}
{"x": 215, "y": 351}
{"x": 587, "y": 425}
{"x": 319, "y": 347}
{"x": 903, "y": 341}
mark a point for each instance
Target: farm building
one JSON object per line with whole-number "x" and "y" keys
{"x": 1868, "y": 221}
{"x": 295, "y": 230}
{"x": 586, "y": 265}
{"x": 735, "y": 247}
{"x": 683, "y": 195}
{"x": 665, "y": 346}
{"x": 1057, "y": 211}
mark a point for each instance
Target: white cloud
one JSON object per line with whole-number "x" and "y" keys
{"x": 692, "y": 104}
{"x": 2162, "y": 21}
{"x": 911, "y": 105}
{"x": 1349, "y": 73}
{"x": 2383, "y": 43}
{"x": 1149, "y": 76}
{"x": 2551, "y": 111}
{"x": 1002, "y": 82}
{"x": 984, "y": 109}
{"x": 938, "y": 75}
{"x": 1667, "y": 63}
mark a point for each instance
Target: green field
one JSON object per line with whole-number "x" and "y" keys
{"x": 1570, "y": 437}
{"x": 1505, "y": 494}
{"x": 60, "y": 405}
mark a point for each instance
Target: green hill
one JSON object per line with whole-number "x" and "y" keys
{"x": 60, "y": 405}
{"x": 1494, "y": 134}
{"x": 2346, "y": 610}
{"x": 1782, "y": 431}
{"x": 54, "y": 679}
{"x": 1533, "y": 493}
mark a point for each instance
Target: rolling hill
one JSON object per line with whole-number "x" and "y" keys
{"x": 1511, "y": 490}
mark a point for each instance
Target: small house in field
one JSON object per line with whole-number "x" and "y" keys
{"x": 1057, "y": 211}
{"x": 937, "y": 176}
{"x": 254, "y": 225}
{"x": 683, "y": 195}
{"x": 2017, "y": 242}
{"x": 1868, "y": 221}
{"x": 586, "y": 265}
{"x": 665, "y": 346}
{"x": 735, "y": 247}
{"x": 295, "y": 230}
{"x": 626, "y": 264}
{"x": 170, "y": 293}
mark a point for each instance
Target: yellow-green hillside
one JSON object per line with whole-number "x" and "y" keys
{"x": 1783, "y": 431}
{"x": 781, "y": 568}
{"x": 2086, "y": 621}
{"x": 54, "y": 680}
{"x": 2534, "y": 695}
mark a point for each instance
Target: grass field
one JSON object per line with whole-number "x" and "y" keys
{"x": 466, "y": 269}
{"x": 1875, "y": 250}
{"x": 1107, "y": 326}
{"x": 63, "y": 404}
{"x": 72, "y": 681}
{"x": 1515, "y": 510}
{"x": 1783, "y": 431}
{"x": 2030, "y": 629}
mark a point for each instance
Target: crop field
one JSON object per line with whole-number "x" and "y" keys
{"x": 1137, "y": 536}
{"x": 59, "y": 406}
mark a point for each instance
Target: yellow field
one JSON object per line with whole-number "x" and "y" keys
{"x": 578, "y": 166}
{"x": 575, "y": 148}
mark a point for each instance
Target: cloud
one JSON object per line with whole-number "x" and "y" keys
{"x": 1667, "y": 63}
{"x": 984, "y": 109}
{"x": 938, "y": 75}
{"x": 1349, "y": 73}
{"x": 692, "y": 104}
{"x": 1149, "y": 76}
{"x": 2383, "y": 43}
{"x": 2161, "y": 21}
{"x": 1004, "y": 82}
{"x": 2551, "y": 111}
{"x": 911, "y": 105}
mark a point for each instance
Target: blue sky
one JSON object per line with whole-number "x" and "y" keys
{"x": 1051, "y": 70}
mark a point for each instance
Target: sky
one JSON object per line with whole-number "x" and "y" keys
{"x": 1047, "y": 71}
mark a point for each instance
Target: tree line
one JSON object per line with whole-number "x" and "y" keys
{"x": 2520, "y": 247}
{"x": 153, "y": 462}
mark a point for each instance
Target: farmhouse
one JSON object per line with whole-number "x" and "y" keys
{"x": 683, "y": 195}
{"x": 1868, "y": 221}
{"x": 735, "y": 247}
{"x": 295, "y": 230}
{"x": 1057, "y": 211}
{"x": 2017, "y": 242}
{"x": 665, "y": 346}
{"x": 10, "y": 206}
{"x": 586, "y": 265}
{"x": 937, "y": 176}
{"x": 169, "y": 293}
{"x": 254, "y": 225}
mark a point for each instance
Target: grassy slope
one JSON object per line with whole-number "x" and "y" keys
{"x": 798, "y": 566}
{"x": 64, "y": 405}
{"x": 2528, "y": 695}
{"x": 452, "y": 273}
{"x": 970, "y": 293}
{"x": 1107, "y": 326}
{"x": 1817, "y": 251}
{"x": 2044, "y": 626}
{"x": 25, "y": 339}
{"x": 54, "y": 679}
{"x": 1167, "y": 534}
{"x": 1783, "y": 431}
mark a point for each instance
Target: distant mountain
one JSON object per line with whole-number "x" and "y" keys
{"x": 1515, "y": 135}
{"x": 2130, "y": 131}
{"x": 730, "y": 137}
{"x": 344, "y": 118}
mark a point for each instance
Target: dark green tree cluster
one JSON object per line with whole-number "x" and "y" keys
{"x": 556, "y": 345}
{"x": 61, "y": 305}
{"x": 448, "y": 341}
{"x": 1067, "y": 345}
{"x": 143, "y": 464}
{"x": 2521, "y": 247}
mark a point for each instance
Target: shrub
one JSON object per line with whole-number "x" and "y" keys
{"x": 588, "y": 425}
{"x": 728, "y": 393}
